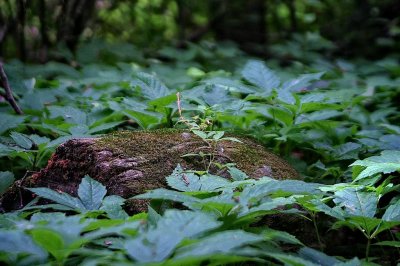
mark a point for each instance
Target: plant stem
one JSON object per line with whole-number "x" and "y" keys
{"x": 316, "y": 231}
{"x": 367, "y": 249}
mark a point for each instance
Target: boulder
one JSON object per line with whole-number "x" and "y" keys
{"x": 129, "y": 163}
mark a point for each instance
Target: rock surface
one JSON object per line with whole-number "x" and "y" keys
{"x": 129, "y": 163}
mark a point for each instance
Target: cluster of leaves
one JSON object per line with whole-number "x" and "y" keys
{"x": 338, "y": 125}
{"x": 215, "y": 228}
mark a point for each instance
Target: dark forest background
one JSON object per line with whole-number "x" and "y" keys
{"x": 41, "y": 30}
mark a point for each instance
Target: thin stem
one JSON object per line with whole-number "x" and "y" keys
{"x": 8, "y": 95}
{"x": 316, "y": 231}
{"x": 367, "y": 249}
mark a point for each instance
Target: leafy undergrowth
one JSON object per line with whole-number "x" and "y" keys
{"x": 336, "y": 123}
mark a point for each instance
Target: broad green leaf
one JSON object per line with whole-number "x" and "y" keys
{"x": 69, "y": 114}
{"x": 237, "y": 174}
{"x": 289, "y": 259}
{"x": 392, "y": 213}
{"x": 274, "y": 186}
{"x": 367, "y": 225}
{"x": 357, "y": 203}
{"x": 61, "y": 198}
{"x": 166, "y": 194}
{"x": 388, "y": 162}
{"x": 230, "y": 84}
{"x": 267, "y": 206}
{"x": 152, "y": 216}
{"x": 70, "y": 229}
{"x": 388, "y": 243}
{"x": 104, "y": 126}
{"x": 199, "y": 133}
{"x": 317, "y": 257}
{"x": 79, "y": 130}
{"x": 318, "y": 205}
{"x": 22, "y": 140}
{"x": 154, "y": 248}
{"x": 286, "y": 96}
{"x": 6, "y": 180}
{"x": 258, "y": 74}
{"x": 151, "y": 87}
{"x": 353, "y": 262}
{"x": 8, "y": 121}
{"x": 49, "y": 240}
{"x": 42, "y": 216}
{"x": 187, "y": 223}
{"x": 91, "y": 193}
{"x": 280, "y": 236}
{"x": 124, "y": 229}
{"x": 112, "y": 205}
{"x": 17, "y": 242}
{"x": 190, "y": 182}
{"x": 346, "y": 151}
{"x": 145, "y": 119}
{"x": 301, "y": 82}
{"x": 219, "y": 243}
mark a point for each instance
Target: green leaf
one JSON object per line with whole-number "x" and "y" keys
{"x": 237, "y": 174}
{"x": 145, "y": 119}
{"x": 112, "y": 205}
{"x": 258, "y": 74}
{"x": 104, "y": 127}
{"x": 17, "y": 242}
{"x": 6, "y": 180}
{"x": 187, "y": 223}
{"x": 388, "y": 162}
{"x": 317, "y": 257}
{"x": 281, "y": 236}
{"x": 222, "y": 242}
{"x": 388, "y": 243}
{"x": 154, "y": 246}
{"x": 165, "y": 194}
{"x": 8, "y": 121}
{"x": 272, "y": 186}
{"x": 152, "y": 87}
{"x": 61, "y": 198}
{"x": 357, "y": 203}
{"x": 289, "y": 259}
{"x": 199, "y": 133}
{"x": 301, "y": 82}
{"x": 91, "y": 193}
{"x": 69, "y": 114}
{"x": 190, "y": 182}
{"x": 50, "y": 241}
{"x": 286, "y": 96}
{"x": 392, "y": 213}
{"x": 22, "y": 140}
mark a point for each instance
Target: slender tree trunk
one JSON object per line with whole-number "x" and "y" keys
{"x": 21, "y": 11}
{"x": 74, "y": 17}
{"x": 43, "y": 30}
{"x": 292, "y": 14}
{"x": 181, "y": 21}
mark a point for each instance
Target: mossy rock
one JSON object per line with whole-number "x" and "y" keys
{"x": 131, "y": 162}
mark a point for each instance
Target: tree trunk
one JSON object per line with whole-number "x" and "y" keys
{"x": 75, "y": 14}
{"x": 243, "y": 23}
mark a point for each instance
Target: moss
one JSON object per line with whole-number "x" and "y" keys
{"x": 156, "y": 145}
{"x": 131, "y": 162}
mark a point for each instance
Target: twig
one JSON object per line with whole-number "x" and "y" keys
{"x": 8, "y": 95}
